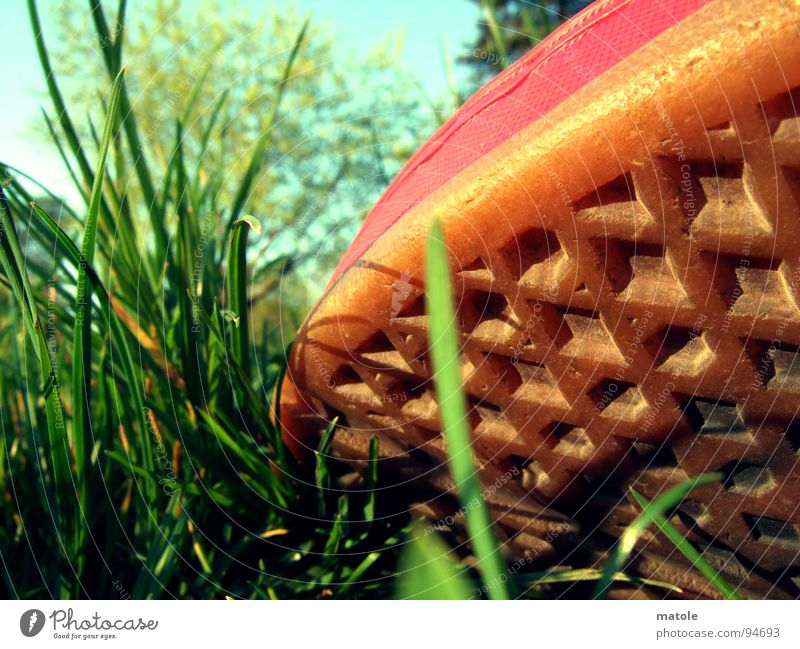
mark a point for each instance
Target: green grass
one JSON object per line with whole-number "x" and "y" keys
{"x": 653, "y": 512}
{"x": 429, "y": 570}
{"x": 688, "y": 550}
{"x": 138, "y": 454}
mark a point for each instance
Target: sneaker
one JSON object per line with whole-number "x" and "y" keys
{"x": 622, "y": 212}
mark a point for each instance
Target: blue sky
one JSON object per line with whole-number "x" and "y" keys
{"x": 357, "y": 24}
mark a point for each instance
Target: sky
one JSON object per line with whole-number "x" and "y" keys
{"x": 357, "y": 24}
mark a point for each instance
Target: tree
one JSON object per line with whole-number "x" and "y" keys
{"x": 344, "y": 127}
{"x": 511, "y": 28}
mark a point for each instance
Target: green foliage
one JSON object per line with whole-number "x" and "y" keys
{"x": 139, "y": 454}
{"x": 345, "y": 124}
{"x": 510, "y": 28}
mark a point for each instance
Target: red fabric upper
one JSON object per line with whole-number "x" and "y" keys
{"x": 584, "y": 47}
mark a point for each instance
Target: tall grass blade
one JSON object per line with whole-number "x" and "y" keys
{"x": 62, "y": 114}
{"x": 236, "y": 290}
{"x": 688, "y": 550}
{"x": 634, "y": 531}
{"x": 59, "y": 454}
{"x": 113, "y": 60}
{"x": 164, "y": 553}
{"x": 82, "y": 342}
{"x": 371, "y": 480}
{"x": 119, "y": 340}
{"x": 589, "y": 574}
{"x": 498, "y": 38}
{"x": 322, "y": 474}
{"x": 257, "y": 158}
{"x": 452, "y": 406}
{"x": 426, "y": 570}
{"x": 183, "y": 275}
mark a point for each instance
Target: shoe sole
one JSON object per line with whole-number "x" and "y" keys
{"x": 626, "y": 272}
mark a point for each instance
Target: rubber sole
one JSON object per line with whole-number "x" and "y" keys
{"x": 626, "y": 274}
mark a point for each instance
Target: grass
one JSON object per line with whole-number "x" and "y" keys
{"x": 138, "y": 450}
{"x": 652, "y": 512}
{"x": 445, "y": 356}
{"x": 139, "y": 454}
{"x": 688, "y": 550}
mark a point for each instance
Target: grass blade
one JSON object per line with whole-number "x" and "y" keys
{"x": 452, "y": 84}
{"x": 589, "y": 574}
{"x": 688, "y": 550}
{"x": 117, "y": 331}
{"x": 183, "y": 276}
{"x": 427, "y": 572}
{"x": 634, "y": 531}
{"x": 164, "y": 553}
{"x": 359, "y": 570}
{"x": 59, "y": 457}
{"x": 236, "y": 289}
{"x": 371, "y": 481}
{"x": 82, "y": 342}
{"x": 113, "y": 60}
{"x": 120, "y": 343}
{"x": 498, "y": 38}
{"x": 321, "y": 473}
{"x": 452, "y": 406}
{"x": 275, "y": 399}
{"x": 64, "y": 119}
{"x": 261, "y": 145}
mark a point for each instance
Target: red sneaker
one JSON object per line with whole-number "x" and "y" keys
{"x": 622, "y": 209}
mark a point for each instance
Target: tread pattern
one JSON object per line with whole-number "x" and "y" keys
{"x": 656, "y": 340}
